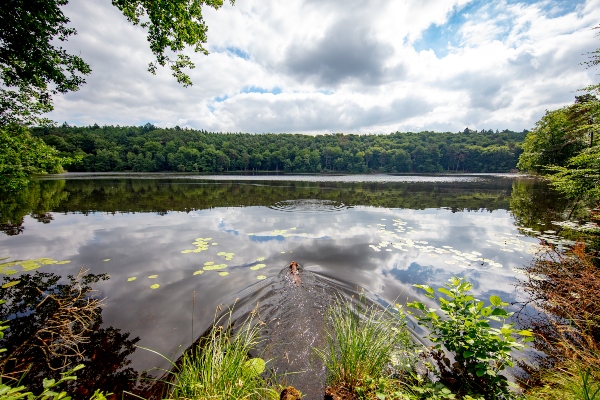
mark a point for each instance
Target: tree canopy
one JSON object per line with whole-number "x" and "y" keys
{"x": 33, "y": 68}
{"x": 148, "y": 149}
{"x": 564, "y": 145}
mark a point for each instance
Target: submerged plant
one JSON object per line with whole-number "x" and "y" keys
{"x": 476, "y": 335}
{"x": 220, "y": 366}
{"x": 362, "y": 341}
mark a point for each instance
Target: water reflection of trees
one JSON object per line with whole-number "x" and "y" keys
{"x": 533, "y": 204}
{"x": 161, "y": 196}
{"x": 53, "y": 326}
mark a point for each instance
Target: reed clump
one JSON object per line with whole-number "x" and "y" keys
{"x": 220, "y": 366}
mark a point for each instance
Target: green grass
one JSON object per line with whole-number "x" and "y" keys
{"x": 220, "y": 367}
{"x": 362, "y": 344}
{"x": 570, "y": 381}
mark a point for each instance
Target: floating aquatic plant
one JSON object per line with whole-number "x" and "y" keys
{"x": 131, "y": 279}
{"x": 155, "y": 286}
{"x": 224, "y": 273}
{"x": 199, "y": 272}
{"x": 9, "y": 284}
{"x": 257, "y": 267}
{"x": 153, "y": 276}
{"x": 214, "y": 267}
{"x": 261, "y": 277}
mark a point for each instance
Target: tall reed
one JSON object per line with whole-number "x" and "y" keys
{"x": 220, "y": 367}
{"x": 361, "y": 342}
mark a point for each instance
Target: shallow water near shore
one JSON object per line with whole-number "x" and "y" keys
{"x": 178, "y": 246}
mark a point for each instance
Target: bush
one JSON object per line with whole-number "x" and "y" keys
{"x": 476, "y": 335}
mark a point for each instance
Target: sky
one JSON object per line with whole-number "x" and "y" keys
{"x": 352, "y": 66}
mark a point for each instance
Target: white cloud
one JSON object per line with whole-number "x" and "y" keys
{"x": 326, "y": 66}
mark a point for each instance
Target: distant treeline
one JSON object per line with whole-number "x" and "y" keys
{"x": 149, "y": 149}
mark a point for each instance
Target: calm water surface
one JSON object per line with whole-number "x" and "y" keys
{"x": 380, "y": 234}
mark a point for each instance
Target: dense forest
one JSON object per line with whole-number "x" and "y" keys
{"x": 148, "y": 149}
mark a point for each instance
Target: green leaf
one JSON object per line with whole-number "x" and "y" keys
{"x": 10, "y": 284}
{"x": 47, "y": 383}
{"x": 496, "y": 300}
{"x": 426, "y": 288}
{"x": 467, "y": 353}
{"x": 525, "y": 332}
{"x": 254, "y": 366}
{"x": 500, "y": 312}
{"x": 446, "y": 292}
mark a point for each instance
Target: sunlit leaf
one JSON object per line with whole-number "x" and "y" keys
{"x": 254, "y": 366}
{"x": 63, "y": 262}
{"x": 199, "y": 272}
{"x": 153, "y": 276}
{"x": 155, "y": 286}
{"x": 133, "y": 278}
{"x": 224, "y": 273}
{"x": 496, "y": 300}
{"x": 107, "y": 259}
{"x": 9, "y": 284}
{"x": 261, "y": 277}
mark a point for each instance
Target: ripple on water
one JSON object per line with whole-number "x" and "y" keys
{"x": 308, "y": 206}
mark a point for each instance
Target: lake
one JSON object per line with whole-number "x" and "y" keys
{"x": 177, "y": 246}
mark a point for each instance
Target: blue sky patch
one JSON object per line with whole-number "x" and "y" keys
{"x": 443, "y": 37}
{"x": 255, "y": 89}
{"x": 238, "y": 52}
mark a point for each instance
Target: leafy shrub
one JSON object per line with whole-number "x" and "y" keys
{"x": 476, "y": 335}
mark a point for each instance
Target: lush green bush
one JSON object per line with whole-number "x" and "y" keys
{"x": 476, "y": 335}
{"x": 22, "y": 155}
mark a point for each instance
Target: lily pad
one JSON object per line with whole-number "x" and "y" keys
{"x": 261, "y": 277}
{"x": 107, "y": 259}
{"x": 209, "y": 263}
{"x": 63, "y": 262}
{"x": 10, "y": 272}
{"x": 131, "y": 279}
{"x": 155, "y": 286}
{"x": 257, "y": 267}
{"x": 214, "y": 244}
{"x": 153, "y": 276}
{"x": 283, "y": 252}
{"x": 224, "y": 273}
{"x": 214, "y": 267}
{"x": 199, "y": 272}
{"x": 9, "y": 284}
{"x": 221, "y": 253}
{"x": 260, "y": 259}
{"x": 186, "y": 251}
